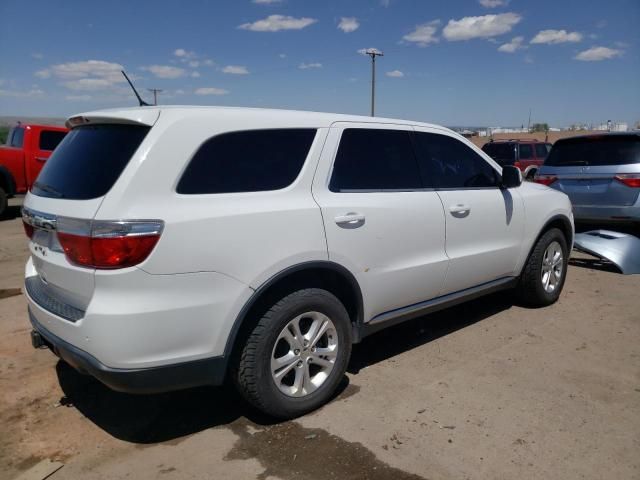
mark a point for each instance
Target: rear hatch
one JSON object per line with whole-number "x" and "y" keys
{"x": 596, "y": 170}
{"x": 65, "y": 199}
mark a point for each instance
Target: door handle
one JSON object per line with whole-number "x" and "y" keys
{"x": 350, "y": 219}
{"x": 41, "y": 159}
{"x": 460, "y": 209}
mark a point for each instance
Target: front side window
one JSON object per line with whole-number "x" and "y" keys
{"x": 526, "y": 152}
{"x": 448, "y": 163}
{"x": 375, "y": 159}
{"x": 247, "y": 161}
{"x": 49, "y": 139}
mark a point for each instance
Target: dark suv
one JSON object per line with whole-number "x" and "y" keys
{"x": 527, "y": 155}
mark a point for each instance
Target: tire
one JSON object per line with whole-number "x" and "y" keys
{"x": 268, "y": 346}
{"x": 3, "y": 201}
{"x": 533, "y": 289}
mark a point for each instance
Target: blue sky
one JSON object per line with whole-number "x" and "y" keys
{"x": 457, "y": 62}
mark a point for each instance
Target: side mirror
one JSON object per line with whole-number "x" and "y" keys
{"x": 511, "y": 177}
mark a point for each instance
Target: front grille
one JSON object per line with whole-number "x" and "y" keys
{"x": 37, "y": 290}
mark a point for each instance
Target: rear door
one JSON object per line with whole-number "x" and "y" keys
{"x": 380, "y": 221}
{"x": 43, "y": 143}
{"x": 590, "y": 170}
{"x": 484, "y": 223}
{"x": 67, "y": 194}
{"x": 526, "y": 156}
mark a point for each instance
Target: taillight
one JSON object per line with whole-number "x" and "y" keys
{"x": 108, "y": 244}
{"x": 545, "y": 179}
{"x": 629, "y": 179}
{"x": 28, "y": 229}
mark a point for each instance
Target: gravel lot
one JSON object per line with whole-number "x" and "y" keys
{"x": 485, "y": 390}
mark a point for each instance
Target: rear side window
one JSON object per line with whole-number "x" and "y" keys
{"x": 504, "y": 153}
{"x": 449, "y": 163}
{"x": 49, "y": 139}
{"x": 526, "y": 152}
{"x": 541, "y": 150}
{"x": 247, "y": 161}
{"x": 595, "y": 151}
{"x": 88, "y": 161}
{"x": 375, "y": 159}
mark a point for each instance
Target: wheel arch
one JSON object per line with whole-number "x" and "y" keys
{"x": 327, "y": 275}
{"x": 559, "y": 221}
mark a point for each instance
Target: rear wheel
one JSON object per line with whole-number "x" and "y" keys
{"x": 544, "y": 274}
{"x": 296, "y": 355}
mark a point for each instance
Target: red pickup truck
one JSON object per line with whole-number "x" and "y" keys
{"x": 27, "y": 149}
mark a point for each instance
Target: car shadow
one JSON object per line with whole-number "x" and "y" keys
{"x": 146, "y": 419}
{"x": 594, "y": 264}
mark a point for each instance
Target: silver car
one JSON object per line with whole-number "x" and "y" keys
{"x": 600, "y": 174}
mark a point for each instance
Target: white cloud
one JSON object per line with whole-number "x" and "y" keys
{"x": 480, "y": 27}
{"x": 211, "y": 91}
{"x": 282, "y": 55}
{"x": 185, "y": 54}
{"x": 306, "y": 66}
{"x": 165, "y": 71}
{"x": 37, "y": 56}
{"x": 595, "y": 54}
{"x": 208, "y": 63}
{"x": 423, "y": 34}
{"x": 235, "y": 70}
{"x": 81, "y": 98}
{"x": 266, "y": 2}
{"x": 385, "y": 3}
{"x": 275, "y": 23}
{"x": 395, "y": 74}
{"x": 34, "y": 92}
{"x": 348, "y": 24}
{"x": 88, "y": 84}
{"x": 179, "y": 92}
{"x": 194, "y": 63}
{"x": 195, "y": 74}
{"x": 365, "y": 51}
{"x": 556, "y": 36}
{"x": 493, "y": 3}
{"x": 45, "y": 73}
{"x": 90, "y": 68}
{"x": 512, "y": 46}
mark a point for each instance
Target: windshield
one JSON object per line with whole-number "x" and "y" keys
{"x": 594, "y": 151}
{"x": 88, "y": 161}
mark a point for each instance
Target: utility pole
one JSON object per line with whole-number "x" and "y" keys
{"x": 373, "y": 53}
{"x": 529, "y": 122}
{"x": 155, "y": 92}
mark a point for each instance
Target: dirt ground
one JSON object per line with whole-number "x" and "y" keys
{"x": 487, "y": 390}
{"x": 550, "y": 137}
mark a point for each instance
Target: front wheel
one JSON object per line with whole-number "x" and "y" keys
{"x": 3, "y": 201}
{"x": 544, "y": 274}
{"x": 296, "y": 355}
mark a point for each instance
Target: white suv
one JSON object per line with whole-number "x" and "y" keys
{"x": 179, "y": 246}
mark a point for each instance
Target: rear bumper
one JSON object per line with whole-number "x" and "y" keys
{"x": 595, "y": 213}
{"x": 209, "y": 371}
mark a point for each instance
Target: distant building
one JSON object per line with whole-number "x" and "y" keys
{"x": 612, "y": 127}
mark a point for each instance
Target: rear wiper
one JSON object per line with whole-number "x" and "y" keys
{"x": 48, "y": 189}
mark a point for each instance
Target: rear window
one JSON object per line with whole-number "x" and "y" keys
{"x": 88, "y": 161}
{"x": 49, "y": 139}
{"x": 247, "y": 161}
{"x": 500, "y": 151}
{"x": 375, "y": 159}
{"x": 594, "y": 151}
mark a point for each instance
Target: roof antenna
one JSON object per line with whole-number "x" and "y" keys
{"x": 140, "y": 101}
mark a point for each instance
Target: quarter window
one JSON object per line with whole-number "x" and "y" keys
{"x": 375, "y": 159}
{"x": 541, "y": 150}
{"x": 16, "y": 138}
{"x": 448, "y": 163}
{"x": 247, "y": 161}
